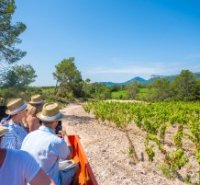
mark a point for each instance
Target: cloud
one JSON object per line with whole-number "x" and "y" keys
{"x": 137, "y": 70}
{"x": 119, "y": 72}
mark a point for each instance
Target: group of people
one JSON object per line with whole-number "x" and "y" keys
{"x": 30, "y": 151}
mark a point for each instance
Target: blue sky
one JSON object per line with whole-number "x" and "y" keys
{"x": 111, "y": 40}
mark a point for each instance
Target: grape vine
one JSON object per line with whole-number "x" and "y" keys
{"x": 155, "y": 119}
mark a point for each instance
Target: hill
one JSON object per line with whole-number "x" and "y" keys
{"x": 144, "y": 81}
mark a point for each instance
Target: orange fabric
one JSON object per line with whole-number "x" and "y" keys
{"x": 85, "y": 175}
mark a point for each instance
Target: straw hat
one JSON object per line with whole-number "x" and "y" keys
{"x": 50, "y": 113}
{"x": 3, "y": 130}
{"x": 16, "y": 106}
{"x": 36, "y": 100}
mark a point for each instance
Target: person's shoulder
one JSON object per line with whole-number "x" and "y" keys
{"x": 32, "y": 135}
{"x": 57, "y": 140}
{"x": 19, "y": 154}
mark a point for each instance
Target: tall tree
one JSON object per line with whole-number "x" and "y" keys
{"x": 184, "y": 85}
{"x": 9, "y": 35}
{"x": 68, "y": 77}
{"x": 19, "y": 76}
{"x": 133, "y": 89}
{"x": 162, "y": 89}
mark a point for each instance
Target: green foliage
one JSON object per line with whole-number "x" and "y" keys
{"x": 150, "y": 152}
{"x": 9, "y": 36}
{"x": 19, "y": 76}
{"x": 162, "y": 89}
{"x": 183, "y": 85}
{"x": 198, "y": 156}
{"x": 133, "y": 89}
{"x": 174, "y": 162}
{"x": 167, "y": 171}
{"x": 68, "y": 78}
{"x": 154, "y": 119}
{"x": 119, "y": 95}
{"x": 96, "y": 91}
{"x": 178, "y": 137}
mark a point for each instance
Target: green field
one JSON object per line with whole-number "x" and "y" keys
{"x": 123, "y": 94}
{"x": 119, "y": 95}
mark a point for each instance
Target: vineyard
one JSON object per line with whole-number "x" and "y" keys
{"x": 155, "y": 120}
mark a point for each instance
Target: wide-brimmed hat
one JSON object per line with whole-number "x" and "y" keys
{"x": 16, "y": 106}
{"x": 3, "y": 130}
{"x": 36, "y": 100}
{"x": 50, "y": 112}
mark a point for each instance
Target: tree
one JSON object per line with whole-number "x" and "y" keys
{"x": 133, "y": 89}
{"x": 88, "y": 80}
{"x": 9, "y": 37}
{"x": 162, "y": 88}
{"x": 19, "y": 76}
{"x": 196, "y": 90}
{"x": 99, "y": 91}
{"x": 9, "y": 34}
{"x": 68, "y": 78}
{"x": 184, "y": 84}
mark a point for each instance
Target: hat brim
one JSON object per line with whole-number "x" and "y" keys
{"x": 36, "y": 103}
{"x": 17, "y": 111}
{"x": 56, "y": 117}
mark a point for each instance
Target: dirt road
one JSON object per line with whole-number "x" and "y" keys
{"x": 107, "y": 151}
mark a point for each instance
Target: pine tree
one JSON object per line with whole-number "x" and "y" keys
{"x": 9, "y": 35}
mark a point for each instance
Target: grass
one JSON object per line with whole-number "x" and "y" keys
{"x": 123, "y": 94}
{"x": 119, "y": 95}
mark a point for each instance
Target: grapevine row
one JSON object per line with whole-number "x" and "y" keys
{"x": 154, "y": 119}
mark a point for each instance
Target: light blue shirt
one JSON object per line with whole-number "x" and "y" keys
{"x": 14, "y": 138}
{"x": 47, "y": 149}
{"x": 18, "y": 168}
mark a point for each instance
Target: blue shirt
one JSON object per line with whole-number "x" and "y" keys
{"x": 14, "y": 138}
{"x": 47, "y": 149}
{"x": 18, "y": 168}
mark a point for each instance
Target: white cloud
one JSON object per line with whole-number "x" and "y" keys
{"x": 137, "y": 70}
{"x": 119, "y": 72}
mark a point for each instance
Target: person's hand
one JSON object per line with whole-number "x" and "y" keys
{"x": 63, "y": 132}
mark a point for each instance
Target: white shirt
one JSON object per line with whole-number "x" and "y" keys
{"x": 18, "y": 168}
{"x": 47, "y": 149}
{"x": 14, "y": 138}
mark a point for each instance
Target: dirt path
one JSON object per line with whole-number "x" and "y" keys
{"x": 107, "y": 151}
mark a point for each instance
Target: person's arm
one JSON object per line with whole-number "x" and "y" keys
{"x": 32, "y": 172}
{"x": 33, "y": 124}
{"x": 9, "y": 141}
{"x": 62, "y": 148}
{"x": 41, "y": 178}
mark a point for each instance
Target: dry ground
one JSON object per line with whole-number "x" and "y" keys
{"x": 107, "y": 151}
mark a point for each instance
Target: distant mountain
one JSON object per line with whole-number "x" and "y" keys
{"x": 143, "y": 81}
{"x": 135, "y": 79}
{"x": 109, "y": 84}
{"x": 198, "y": 74}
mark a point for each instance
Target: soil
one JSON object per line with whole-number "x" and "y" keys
{"x": 107, "y": 149}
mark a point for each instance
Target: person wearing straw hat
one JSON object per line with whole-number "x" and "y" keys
{"x": 36, "y": 100}
{"x": 31, "y": 122}
{"x": 19, "y": 167}
{"x": 46, "y": 147}
{"x": 16, "y": 108}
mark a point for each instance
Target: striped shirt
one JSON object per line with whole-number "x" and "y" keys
{"x": 14, "y": 138}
